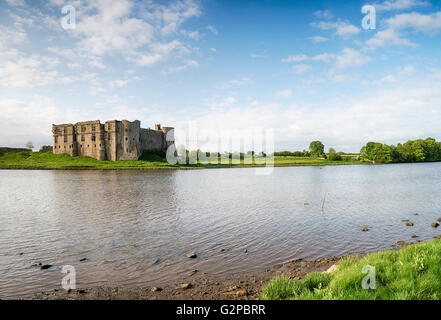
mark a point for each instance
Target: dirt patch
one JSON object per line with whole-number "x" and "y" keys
{"x": 245, "y": 286}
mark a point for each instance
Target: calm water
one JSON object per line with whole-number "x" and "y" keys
{"x": 135, "y": 227}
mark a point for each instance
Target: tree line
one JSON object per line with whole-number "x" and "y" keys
{"x": 412, "y": 151}
{"x": 316, "y": 150}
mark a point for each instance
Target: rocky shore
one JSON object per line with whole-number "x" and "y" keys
{"x": 245, "y": 286}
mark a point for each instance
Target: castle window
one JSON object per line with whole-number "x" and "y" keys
{"x": 83, "y": 128}
{"x": 93, "y": 138}
{"x": 65, "y": 138}
{"x": 56, "y": 139}
{"x": 95, "y": 145}
{"x": 93, "y": 128}
{"x": 65, "y": 130}
{"x": 126, "y": 138}
{"x": 127, "y": 149}
{"x": 82, "y": 137}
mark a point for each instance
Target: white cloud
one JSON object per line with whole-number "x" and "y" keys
{"x": 118, "y": 83}
{"x": 24, "y": 120}
{"x": 240, "y": 82}
{"x": 342, "y": 28}
{"x": 346, "y": 30}
{"x": 351, "y": 58}
{"x": 407, "y": 111}
{"x": 226, "y": 102}
{"x": 212, "y": 29}
{"x": 418, "y": 21}
{"x": 105, "y": 28}
{"x": 29, "y": 71}
{"x": 168, "y": 18}
{"x": 390, "y": 5}
{"x": 139, "y": 32}
{"x": 159, "y": 52}
{"x": 324, "y": 57}
{"x": 181, "y": 68}
{"x": 296, "y": 58}
{"x": 234, "y": 83}
{"x": 257, "y": 56}
{"x": 301, "y": 68}
{"x": 12, "y": 36}
{"x": 318, "y": 39}
{"x": 388, "y": 37}
{"x": 284, "y": 94}
{"x": 16, "y": 3}
{"x": 323, "y": 14}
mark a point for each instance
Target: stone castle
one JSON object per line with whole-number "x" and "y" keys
{"x": 113, "y": 140}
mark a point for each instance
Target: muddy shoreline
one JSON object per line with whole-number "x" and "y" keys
{"x": 196, "y": 286}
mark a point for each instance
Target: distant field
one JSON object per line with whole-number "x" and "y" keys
{"x": 47, "y": 160}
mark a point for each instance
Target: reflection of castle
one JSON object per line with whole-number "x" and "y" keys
{"x": 114, "y": 140}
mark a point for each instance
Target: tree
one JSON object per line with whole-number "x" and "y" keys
{"x": 29, "y": 145}
{"x": 316, "y": 148}
{"x": 333, "y": 155}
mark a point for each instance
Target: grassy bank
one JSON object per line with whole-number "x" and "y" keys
{"x": 47, "y": 160}
{"x": 411, "y": 273}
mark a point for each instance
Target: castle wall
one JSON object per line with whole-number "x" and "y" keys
{"x": 114, "y": 140}
{"x": 64, "y": 139}
{"x": 152, "y": 140}
{"x": 90, "y": 139}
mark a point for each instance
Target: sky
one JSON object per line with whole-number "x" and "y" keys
{"x": 308, "y": 70}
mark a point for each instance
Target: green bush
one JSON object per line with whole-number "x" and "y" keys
{"x": 334, "y": 157}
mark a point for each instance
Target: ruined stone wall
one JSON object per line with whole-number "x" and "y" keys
{"x": 90, "y": 139}
{"x": 152, "y": 140}
{"x": 114, "y": 140}
{"x": 128, "y": 140}
{"x": 63, "y": 136}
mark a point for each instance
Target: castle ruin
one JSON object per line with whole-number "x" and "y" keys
{"x": 113, "y": 140}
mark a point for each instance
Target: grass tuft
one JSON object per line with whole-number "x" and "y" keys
{"x": 412, "y": 273}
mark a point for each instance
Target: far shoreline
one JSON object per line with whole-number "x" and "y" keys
{"x": 194, "y": 168}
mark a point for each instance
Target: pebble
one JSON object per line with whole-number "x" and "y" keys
{"x": 155, "y": 289}
{"x": 364, "y": 229}
{"x": 184, "y": 286}
{"x": 191, "y": 255}
{"x": 409, "y": 224}
{"x": 435, "y": 225}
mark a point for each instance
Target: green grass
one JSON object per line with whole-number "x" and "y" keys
{"x": 412, "y": 273}
{"x": 47, "y": 160}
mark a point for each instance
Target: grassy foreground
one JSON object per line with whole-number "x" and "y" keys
{"x": 48, "y": 160}
{"x": 412, "y": 273}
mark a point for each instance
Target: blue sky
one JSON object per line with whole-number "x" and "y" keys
{"x": 307, "y": 69}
